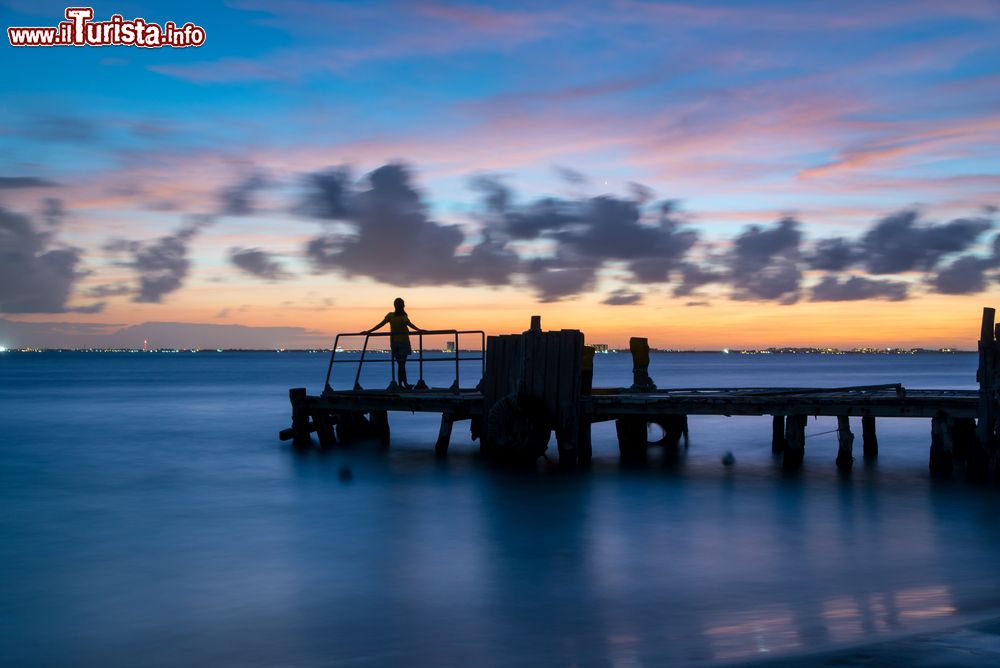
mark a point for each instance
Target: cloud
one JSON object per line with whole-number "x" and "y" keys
{"x": 238, "y": 199}
{"x": 259, "y": 263}
{"x": 35, "y": 278}
{"x": 897, "y": 243}
{"x": 586, "y": 233}
{"x": 17, "y": 182}
{"x": 161, "y": 264}
{"x": 693, "y": 276}
{"x": 963, "y": 276}
{"x": 834, "y": 254}
{"x": 832, "y": 289}
{"x": 391, "y": 238}
{"x": 764, "y": 263}
{"x": 561, "y": 276}
{"x": 622, "y": 297}
{"x": 328, "y": 195}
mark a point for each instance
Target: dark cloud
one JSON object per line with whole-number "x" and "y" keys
{"x": 589, "y": 232}
{"x": 622, "y": 297}
{"x": 16, "y": 182}
{"x": 259, "y": 263}
{"x": 35, "y": 278}
{"x": 693, "y": 276}
{"x": 561, "y": 276}
{"x": 697, "y": 304}
{"x": 328, "y": 195}
{"x": 161, "y": 264}
{"x": 832, "y": 289}
{"x": 897, "y": 243}
{"x": 834, "y": 254}
{"x": 238, "y": 199}
{"x": 391, "y": 238}
{"x": 963, "y": 276}
{"x": 764, "y": 263}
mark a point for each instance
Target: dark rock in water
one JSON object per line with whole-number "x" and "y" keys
{"x": 728, "y": 459}
{"x": 346, "y": 473}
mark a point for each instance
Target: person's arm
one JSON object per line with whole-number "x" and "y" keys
{"x": 414, "y": 327}
{"x": 384, "y": 321}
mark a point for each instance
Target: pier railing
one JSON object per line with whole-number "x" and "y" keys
{"x": 454, "y": 357}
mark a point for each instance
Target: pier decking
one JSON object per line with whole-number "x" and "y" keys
{"x": 538, "y": 383}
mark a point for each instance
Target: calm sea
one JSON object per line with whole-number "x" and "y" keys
{"x": 151, "y": 517}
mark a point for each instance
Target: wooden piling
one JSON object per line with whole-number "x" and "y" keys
{"x": 632, "y": 443}
{"x": 324, "y": 429}
{"x": 988, "y": 380}
{"x": 869, "y": 437}
{"x": 845, "y": 451}
{"x": 980, "y": 460}
{"x": 777, "y": 434}
{"x": 963, "y": 437}
{"x": 444, "y": 434}
{"x": 300, "y": 416}
{"x": 795, "y": 442}
{"x": 379, "y": 421}
{"x": 941, "y": 447}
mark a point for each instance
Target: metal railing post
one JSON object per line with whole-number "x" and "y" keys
{"x": 357, "y": 376}
{"x": 329, "y": 367}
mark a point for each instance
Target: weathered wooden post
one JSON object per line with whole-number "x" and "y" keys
{"x": 444, "y": 434}
{"x": 845, "y": 451}
{"x": 941, "y": 447}
{"x": 324, "y": 428}
{"x": 980, "y": 460}
{"x": 795, "y": 442}
{"x": 379, "y": 421}
{"x": 300, "y": 416}
{"x": 869, "y": 437}
{"x": 585, "y": 446}
{"x": 641, "y": 382}
{"x": 777, "y": 434}
{"x": 963, "y": 437}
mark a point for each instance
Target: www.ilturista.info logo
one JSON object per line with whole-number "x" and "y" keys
{"x": 79, "y": 29}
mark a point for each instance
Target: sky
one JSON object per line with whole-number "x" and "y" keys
{"x": 705, "y": 174}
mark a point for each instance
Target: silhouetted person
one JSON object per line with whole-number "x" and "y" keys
{"x": 399, "y": 338}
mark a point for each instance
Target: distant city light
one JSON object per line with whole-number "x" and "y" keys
{"x": 3, "y": 349}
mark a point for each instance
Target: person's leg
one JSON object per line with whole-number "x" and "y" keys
{"x": 401, "y": 362}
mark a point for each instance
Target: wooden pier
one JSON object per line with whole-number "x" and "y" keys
{"x": 538, "y": 383}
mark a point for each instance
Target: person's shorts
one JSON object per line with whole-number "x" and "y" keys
{"x": 401, "y": 350}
